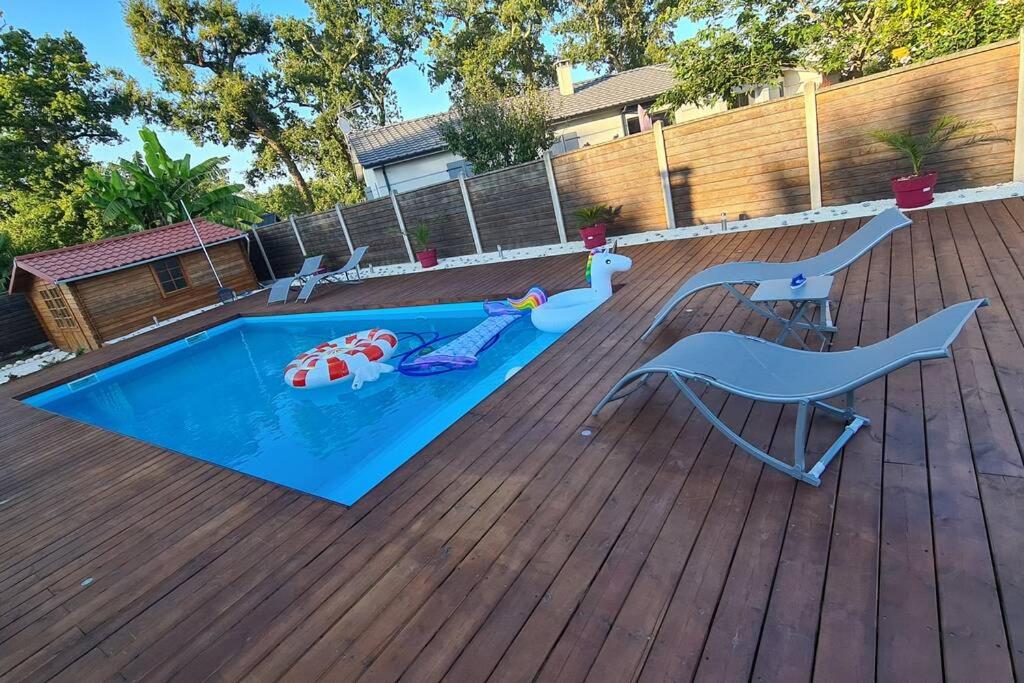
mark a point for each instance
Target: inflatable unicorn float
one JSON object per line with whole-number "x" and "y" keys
{"x": 561, "y": 311}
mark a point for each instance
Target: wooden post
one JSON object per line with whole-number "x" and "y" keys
{"x": 666, "y": 184}
{"x": 344, "y": 229}
{"x": 401, "y": 227}
{"x": 1018, "y": 135}
{"x": 259, "y": 243}
{"x": 811, "y": 127}
{"x": 554, "y": 196}
{"x": 469, "y": 214}
{"x": 295, "y": 229}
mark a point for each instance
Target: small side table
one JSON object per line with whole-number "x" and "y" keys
{"x": 814, "y": 291}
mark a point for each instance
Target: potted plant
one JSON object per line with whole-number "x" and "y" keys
{"x": 593, "y": 222}
{"x": 419, "y": 236}
{"x": 948, "y": 132}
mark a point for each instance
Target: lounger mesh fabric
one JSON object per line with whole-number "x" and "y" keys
{"x": 763, "y": 371}
{"x": 351, "y": 266}
{"x": 279, "y": 290}
{"x": 752, "y": 272}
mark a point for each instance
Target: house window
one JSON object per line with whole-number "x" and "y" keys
{"x": 566, "y": 143}
{"x": 170, "y": 275}
{"x": 460, "y": 167}
{"x": 58, "y": 308}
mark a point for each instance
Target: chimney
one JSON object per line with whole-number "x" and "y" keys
{"x": 563, "y": 68}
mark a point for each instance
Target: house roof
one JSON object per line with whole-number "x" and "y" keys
{"x": 115, "y": 253}
{"x": 416, "y": 137}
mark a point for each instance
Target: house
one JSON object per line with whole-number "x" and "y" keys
{"x": 410, "y": 154}
{"x": 90, "y": 293}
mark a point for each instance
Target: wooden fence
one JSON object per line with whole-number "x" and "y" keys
{"x": 784, "y": 156}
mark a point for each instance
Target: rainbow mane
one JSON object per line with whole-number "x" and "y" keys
{"x": 533, "y": 298}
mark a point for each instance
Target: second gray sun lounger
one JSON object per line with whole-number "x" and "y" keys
{"x": 762, "y": 371}
{"x": 350, "y": 269}
{"x": 279, "y": 290}
{"x": 752, "y": 272}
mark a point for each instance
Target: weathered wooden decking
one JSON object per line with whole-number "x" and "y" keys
{"x": 514, "y": 547}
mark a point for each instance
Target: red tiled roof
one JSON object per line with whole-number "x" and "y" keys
{"x": 59, "y": 265}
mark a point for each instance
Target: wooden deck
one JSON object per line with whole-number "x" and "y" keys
{"x": 514, "y": 547}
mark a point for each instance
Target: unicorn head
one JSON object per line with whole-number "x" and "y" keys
{"x": 601, "y": 263}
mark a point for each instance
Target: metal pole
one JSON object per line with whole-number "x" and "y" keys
{"x": 259, "y": 243}
{"x": 401, "y": 227}
{"x": 469, "y": 214}
{"x": 344, "y": 229}
{"x": 553, "y": 189}
{"x": 208, "y": 259}
{"x": 302, "y": 247}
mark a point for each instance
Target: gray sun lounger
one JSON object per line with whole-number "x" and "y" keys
{"x": 752, "y": 272}
{"x": 763, "y": 371}
{"x": 348, "y": 270}
{"x": 280, "y": 289}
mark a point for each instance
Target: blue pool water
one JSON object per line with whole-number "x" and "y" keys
{"x": 222, "y": 398}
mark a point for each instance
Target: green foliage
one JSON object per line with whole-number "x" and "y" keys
{"x": 283, "y": 199}
{"x": 6, "y": 260}
{"x": 493, "y": 133}
{"x": 420, "y": 237}
{"x": 599, "y": 213}
{"x": 749, "y": 42}
{"x": 614, "y": 35}
{"x": 209, "y": 57}
{"x": 947, "y": 132}
{"x": 54, "y": 103}
{"x": 148, "y": 192}
{"x": 487, "y": 48}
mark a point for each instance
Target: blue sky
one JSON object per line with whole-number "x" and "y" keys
{"x": 98, "y": 24}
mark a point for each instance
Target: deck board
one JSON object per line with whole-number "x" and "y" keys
{"x": 513, "y": 547}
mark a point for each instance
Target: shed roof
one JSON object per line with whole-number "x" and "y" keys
{"x": 416, "y": 137}
{"x": 115, "y": 253}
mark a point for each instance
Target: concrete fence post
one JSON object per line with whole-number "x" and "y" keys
{"x": 1018, "y": 135}
{"x": 666, "y": 183}
{"x": 295, "y": 229}
{"x": 259, "y": 243}
{"x": 469, "y": 214}
{"x": 811, "y": 128}
{"x": 401, "y": 227}
{"x": 553, "y": 188}
{"x": 344, "y": 229}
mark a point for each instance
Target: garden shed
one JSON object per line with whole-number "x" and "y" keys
{"x": 87, "y": 294}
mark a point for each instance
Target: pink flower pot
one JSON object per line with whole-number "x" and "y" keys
{"x": 594, "y": 235}
{"x": 914, "y": 191}
{"x": 428, "y": 258}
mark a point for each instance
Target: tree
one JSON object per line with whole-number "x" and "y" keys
{"x": 148, "y": 191}
{"x": 482, "y": 47}
{"x": 491, "y": 133}
{"x": 54, "y": 103}
{"x": 749, "y": 42}
{"x": 210, "y": 57}
{"x": 615, "y": 35}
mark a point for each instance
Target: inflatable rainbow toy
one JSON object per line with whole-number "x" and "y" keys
{"x": 533, "y": 298}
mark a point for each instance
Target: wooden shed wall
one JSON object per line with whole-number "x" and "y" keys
{"x": 79, "y": 337}
{"x": 126, "y": 300}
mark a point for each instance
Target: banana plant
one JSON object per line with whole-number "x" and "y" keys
{"x": 148, "y": 190}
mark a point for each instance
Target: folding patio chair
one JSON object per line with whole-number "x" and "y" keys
{"x": 347, "y": 270}
{"x": 829, "y": 262}
{"x": 279, "y": 290}
{"x": 763, "y": 371}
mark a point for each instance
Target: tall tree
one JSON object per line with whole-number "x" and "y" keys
{"x": 748, "y": 42}
{"x": 614, "y": 35}
{"x": 153, "y": 190}
{"x": 54, "y": 104}
{"x": 211, "y": 58}
{"x": 492, "y": 133}
{"x": 479, "y": 47}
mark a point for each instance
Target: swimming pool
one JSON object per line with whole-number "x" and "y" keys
{"x": 220, "y": 396}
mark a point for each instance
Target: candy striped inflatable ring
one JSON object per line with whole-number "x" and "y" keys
{"x": 358, "y": 356}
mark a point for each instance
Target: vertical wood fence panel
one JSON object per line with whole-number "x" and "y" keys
{"x": 322, "y": 236}
{"x": 979, "y": 85}
{"x": 374, "y": 225}
{"x": 513, "y": 207}
{"x": 441, "y": 208}
{"x": 282, "y": 248}
{"x": 619, "y": 173}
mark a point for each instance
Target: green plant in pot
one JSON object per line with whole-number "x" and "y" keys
{"x": 419, "y": 238}
{"x": 946, "y": 133}
{"x": 593, "y": 222}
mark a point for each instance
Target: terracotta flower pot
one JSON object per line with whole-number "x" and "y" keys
{"x": 427, "y": 258}
{"x": 594, "y": 235}
{"x": 914, "y": 191}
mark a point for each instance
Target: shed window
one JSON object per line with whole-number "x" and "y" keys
{"x": 58, "y": 308}
{"x": 170, "y": 275}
